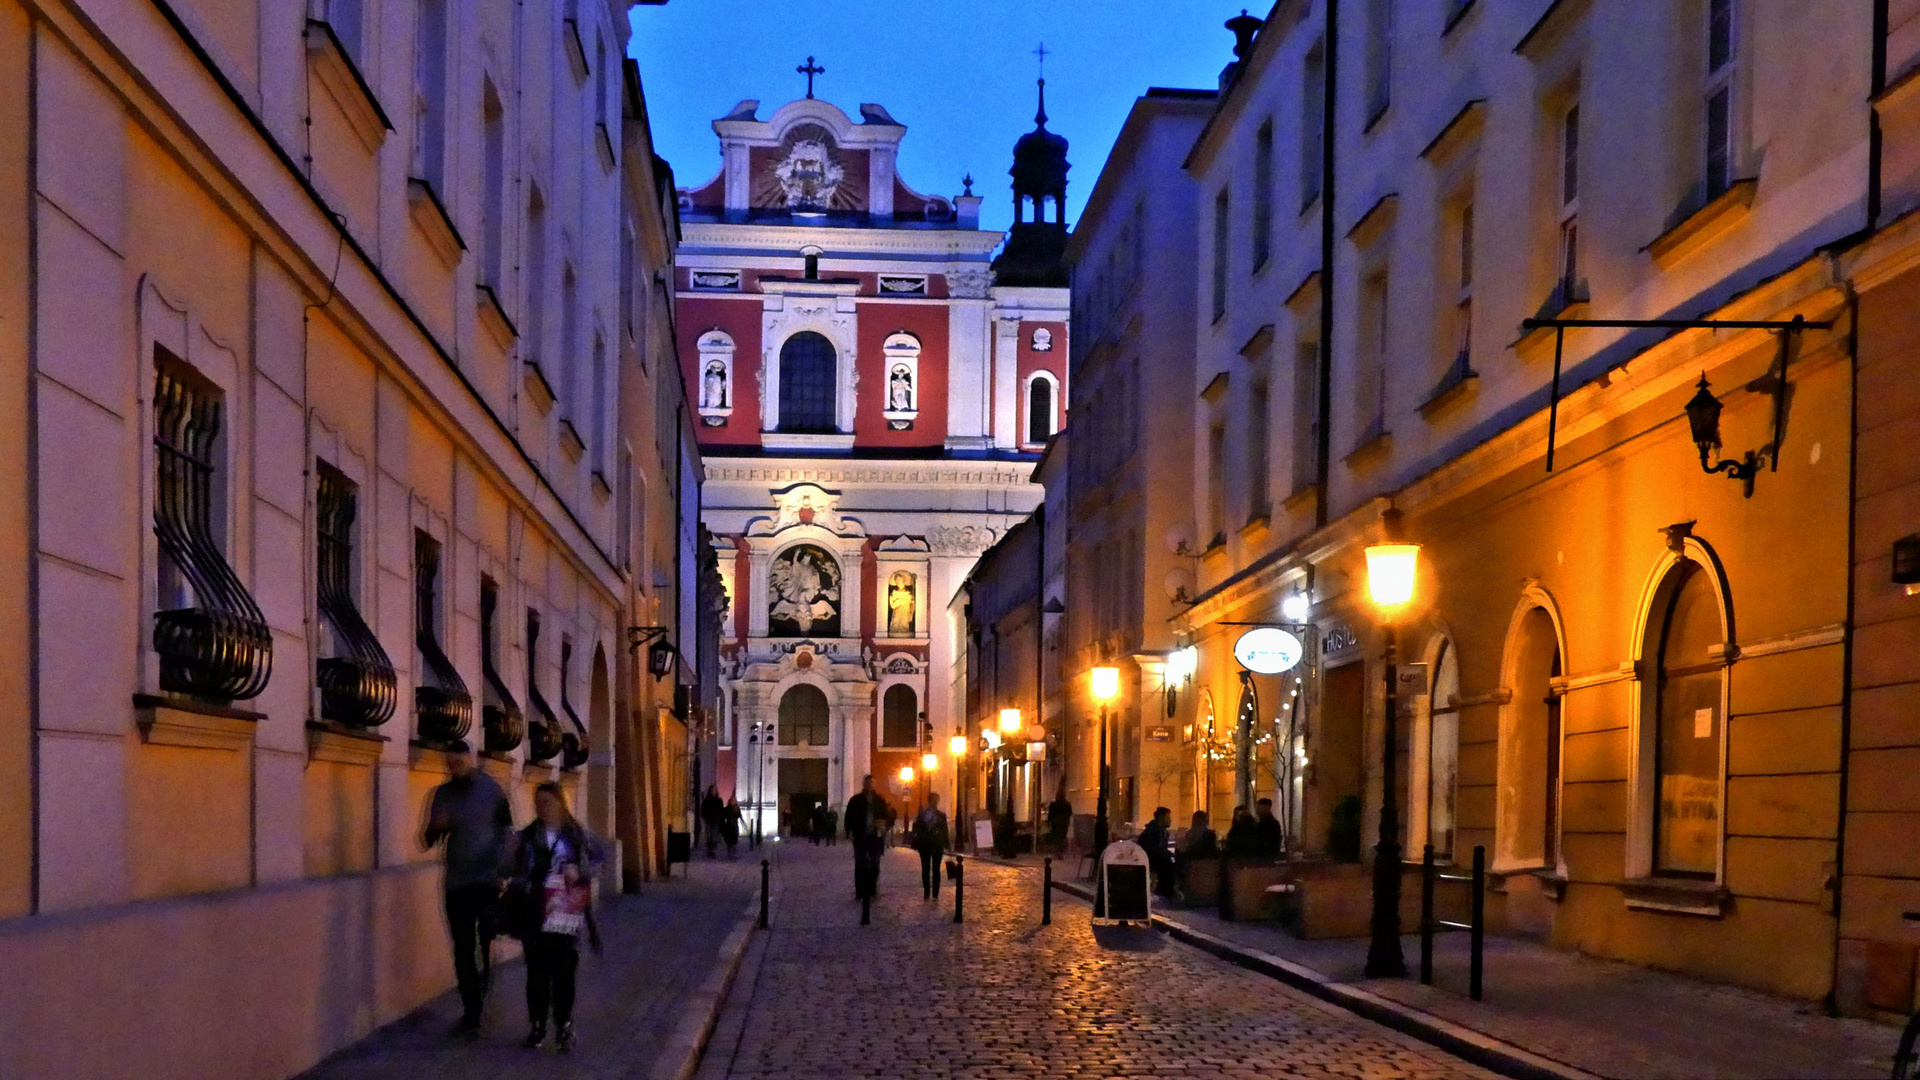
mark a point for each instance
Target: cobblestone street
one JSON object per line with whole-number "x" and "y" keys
{"x": 914, "y": 996}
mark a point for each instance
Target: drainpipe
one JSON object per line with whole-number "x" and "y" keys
{"x": 1324, "y": 449}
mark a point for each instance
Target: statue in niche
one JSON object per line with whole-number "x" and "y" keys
{"x": 900, "y": 600}
{"x": 900, "y": 389}
{"x": 803, "y": 587}
{"x": 713, "y": 386}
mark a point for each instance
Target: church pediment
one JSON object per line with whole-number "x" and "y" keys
{"x": 806, "y": 504}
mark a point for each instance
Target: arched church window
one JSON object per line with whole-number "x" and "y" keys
{"x": 808, "y": 369}
{"x": 803, "y": 593}
{"x": 1040, "y": 408}
{"x": 900, "y": 717}
{"x": 804, "y": 716}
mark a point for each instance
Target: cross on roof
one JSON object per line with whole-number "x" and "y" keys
{"x": 1042, "y": 52}
{"x": 810, "y": 69}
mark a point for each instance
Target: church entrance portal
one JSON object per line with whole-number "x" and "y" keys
{"x": 803, "y": 786}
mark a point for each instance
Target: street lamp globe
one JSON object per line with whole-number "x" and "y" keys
{"x": 1106, "y": 684}
{"x": 1390, "y": 573}
{"x": 1009, "y": 721}
{"x": 1295, "y": 607}
{"x": 929, "y": 762}
{"x": 906, "y": 774}
{"x": 957, "y": 746}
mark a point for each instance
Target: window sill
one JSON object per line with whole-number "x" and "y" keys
{"x": 576, "y": 52}
{"x": 1455, "y": 386}
{"x": 1257, "y": 525}
{"x": 539, "y": 390}
{"x": 427, "y": 757}
{"x": 423, "y": 203}
{"x": 571, "y": 443}
{"x": 170, "y": 721}
{"x": 787, "y": 440}
{"x": 1454, "y": 18}
{"x": 494, "y": 317}
{"x": 1377, "y": 117}
{"x": 1373, "y": 445}
{"x": 345, "y": 84}
{"x": 1699, "y": 228}
{"x": 602, "y": 490}
{"x": 1215, "y": 546}
{"x": 343, "y": 745}
{"x": 1304, "y": 496}
{"x": 1682, "y": 896}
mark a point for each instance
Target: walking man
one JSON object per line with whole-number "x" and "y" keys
{"x": 712, "y": 810}
{"x": 867, "y": 817}
{"x": 1059, "y": 819}
{"x": 930, "y": 840}
{"x": 470, "y": 815}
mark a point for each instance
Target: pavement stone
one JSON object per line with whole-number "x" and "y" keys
{"x": 660, "y": 947}
{"x": 915, "y": 997}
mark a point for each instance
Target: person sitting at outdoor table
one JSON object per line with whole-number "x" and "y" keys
{"x": 1243, "y": 840}
{"x": 1155, "y": 840}
{"x": 1200, "y": 843}
{"x": 1269, "y": 841}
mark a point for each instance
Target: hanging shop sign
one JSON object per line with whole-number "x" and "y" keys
{"x": 1268, "y": 650}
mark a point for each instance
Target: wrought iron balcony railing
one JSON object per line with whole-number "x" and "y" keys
{"x": 357, "y": 683}
{"x": 211, "y": 639}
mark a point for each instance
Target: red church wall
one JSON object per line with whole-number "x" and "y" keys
{"x": 739, "y": 316}
{"x": 928, "y": 322}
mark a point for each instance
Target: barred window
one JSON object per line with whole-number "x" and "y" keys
{"x": 543, "y": 728}
{"x": 357, "y": 686}
{"x": 502, "y": 725}
{"x": 212, "y": 640}
{"x": 440, "y": 697}
{"x": 574, "y": 745}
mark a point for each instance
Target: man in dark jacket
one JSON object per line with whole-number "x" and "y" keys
{"x": 470, "y": 815}
{"x": 1059, "y": 820}
{"x": 1269, "y": 840}
{"x": 1159, "y": 847}
{"x": 867, "y": 817}
{"x": 712, "y": 810}
{"x": 930, "y": 839}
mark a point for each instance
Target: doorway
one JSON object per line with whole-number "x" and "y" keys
{"x": 803, "y": 786}
{"x": 1337, "y": 766}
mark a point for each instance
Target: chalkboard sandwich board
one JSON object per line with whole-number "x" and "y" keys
{"x": 1124, "y": 885}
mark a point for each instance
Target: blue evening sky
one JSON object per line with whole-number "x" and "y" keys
{"x": 959, "y": 76}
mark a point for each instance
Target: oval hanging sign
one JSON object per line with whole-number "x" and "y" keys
{"x": 1268, "y": 650}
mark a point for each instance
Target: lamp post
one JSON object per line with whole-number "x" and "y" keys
{"x": 762, "y": 733}
{"x": 1390, "y": 572}
{"x": 957, "y": 747}
{"x": 1009, "y": 730}
{"x": 1106, "y": 687}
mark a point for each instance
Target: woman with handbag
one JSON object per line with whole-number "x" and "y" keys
{"x": 552, "y": 891}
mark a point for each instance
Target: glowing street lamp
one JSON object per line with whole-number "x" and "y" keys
{"x": 957, "y": 746}
{"x": 1391, "y": 568}
{"x": 929, "y": 762}
{"x": 1106, "y": 686}
{"x": 1009, "y": 721}
{"x": 906, "y": 774}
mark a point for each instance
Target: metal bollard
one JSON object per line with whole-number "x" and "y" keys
{"x": 1479, "y": 931}
{"x": 763, "y": 894}
{"x": 1046, "y": 892}
{"x": 1426, "y": 916}
{"x": 959, "y": 886}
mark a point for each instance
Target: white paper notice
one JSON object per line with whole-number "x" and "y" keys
{"x": 1703, "y": 723}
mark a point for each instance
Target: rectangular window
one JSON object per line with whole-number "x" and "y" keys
{"x": 536, "y": 324}
{"x": 430, "y": 95}
{"x": 1463, "y": 275}
{"x": 1369, "y": 389}
{"x": 600, "y": 69}
{"x": 493, "y": 231}
{"x": 210, "y": 636}
{"x": 1719, "y": 97}
{"x": 568, "y": 361}
{"x": 1568, "y": 268}
{"x": 1262, "y": 196}
{"x": 1217, "y": 484}
{"x": 598, "y": 395}
{"x": 441, "y": 702}
{"x": 1313, "y": 89}
{"x": 1306, "y": 415}
{"x": 355, "y": 676}
{"x": 1222, "y": 235}
{"x": 1379, "y": 58}
{"x": 1259, "y": 500}
{"x": 627, "y": 298}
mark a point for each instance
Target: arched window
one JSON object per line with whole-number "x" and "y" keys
{"x": 1530, "y": 759}
{"x": 900, "y": 717}
{"x": 1443, "y": 750}
{"x": 808, "y": 370}
{"x": 1689, "y": 728}
{"x": 803, "y": 717}
{"x": 1039, "y": 408}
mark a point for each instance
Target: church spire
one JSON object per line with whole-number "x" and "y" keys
{"x": 1040, "y": 116}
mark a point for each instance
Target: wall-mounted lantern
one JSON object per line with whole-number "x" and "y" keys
{"x": 1703, "y": 416}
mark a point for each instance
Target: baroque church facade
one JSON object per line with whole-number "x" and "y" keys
{"x": 873, "y": 386}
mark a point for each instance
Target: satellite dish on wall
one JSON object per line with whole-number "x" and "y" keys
{"x": 1179, "y": 584}
{"x": 1180, "y": 537}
